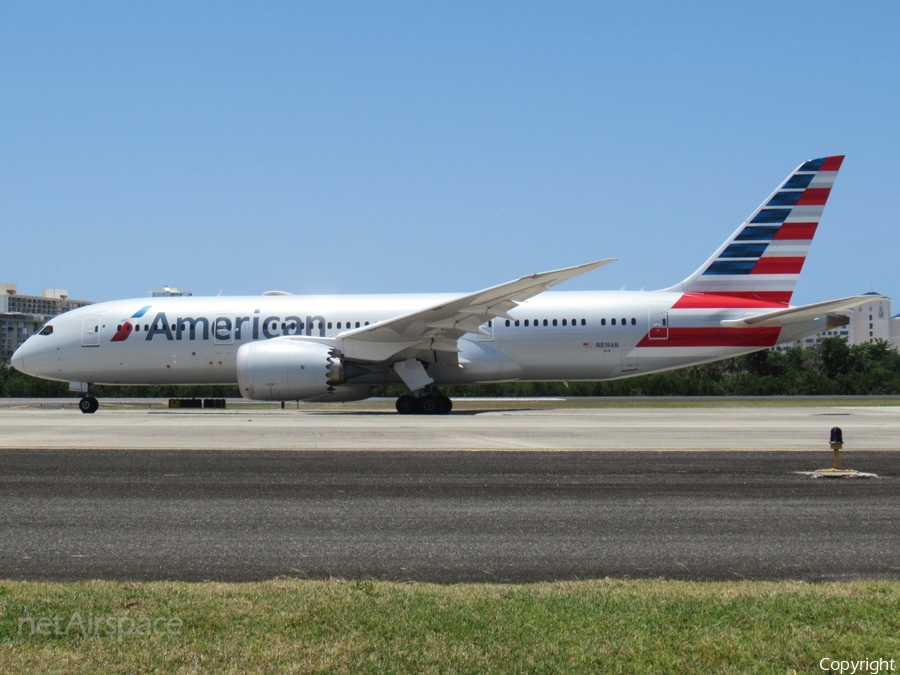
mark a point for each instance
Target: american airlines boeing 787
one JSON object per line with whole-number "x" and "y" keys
{"x": 282, "y": 347}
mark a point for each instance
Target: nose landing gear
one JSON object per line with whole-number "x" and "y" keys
{"x": 88, "y": 405}
{"x": 426, "y": 404}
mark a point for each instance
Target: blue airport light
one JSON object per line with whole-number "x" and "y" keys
{"x": 837, "y": 442}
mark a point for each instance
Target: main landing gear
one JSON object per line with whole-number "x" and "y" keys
{"x": 426, "y": 404}
{"x": 88, "y": 405}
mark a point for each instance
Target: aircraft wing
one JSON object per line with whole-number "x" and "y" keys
{"x": 436, "y": 329}
{"x": 784, "y": 317}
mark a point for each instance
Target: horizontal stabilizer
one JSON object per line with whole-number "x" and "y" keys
{"x": 784, "y": 317}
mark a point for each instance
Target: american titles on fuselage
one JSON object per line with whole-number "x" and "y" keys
{"x": 224, "y": 327}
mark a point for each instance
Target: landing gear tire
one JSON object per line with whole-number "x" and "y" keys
{"x": 406, "y": 405}
{"x": 444, "y": 405}
{"x": 88, "y": 405}
{"x": 428, "y": 404}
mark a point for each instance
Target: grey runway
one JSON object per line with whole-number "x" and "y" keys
{"x": 501, "y": 516}
{"x": 353, "y": 427}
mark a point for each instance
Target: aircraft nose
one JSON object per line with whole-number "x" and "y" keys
{"x": 18, "y": 361}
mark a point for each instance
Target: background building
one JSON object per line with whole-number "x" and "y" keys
{"x": 21, "y": 316}
{"x": 869, "y": 322}
{"x": 167, "y": 292}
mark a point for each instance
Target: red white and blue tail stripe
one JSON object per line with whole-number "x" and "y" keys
{"x": 761, "y": 262}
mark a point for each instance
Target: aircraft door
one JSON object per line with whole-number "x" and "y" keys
{"x": 487, "y": 328}
{"x": 659, "y": 324}
{"x": 90, "y": 333}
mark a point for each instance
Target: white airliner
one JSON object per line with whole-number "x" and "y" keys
{"x": 282, "y": 347}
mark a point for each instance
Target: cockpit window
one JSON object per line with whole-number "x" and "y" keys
{"x": 46, "y": 330}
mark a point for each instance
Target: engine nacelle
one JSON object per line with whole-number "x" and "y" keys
{"x": 287, "y": 370}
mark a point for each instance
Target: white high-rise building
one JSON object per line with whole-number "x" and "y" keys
{"x": 21, "y": 316}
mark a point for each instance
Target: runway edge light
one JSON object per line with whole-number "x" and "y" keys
{"x": 837, "y": 443}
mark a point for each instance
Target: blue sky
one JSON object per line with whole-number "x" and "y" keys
{"x": 433, "y": 146}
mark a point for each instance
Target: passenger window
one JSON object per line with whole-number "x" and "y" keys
{"x": 490, "y": 324}
{"x": 367, "y": 323}
{"x": 633, "y": 321}
{"x": 517, "y": 322}
{"x": 573, "y": 322}
{"x": 564, "y": 322}
{"x": 613, "y": 322}
{"x": 545, "y": 322}
{"x": 602, "y": 322}
{"x": 329, "y": 325}
{"x": 526, "y": 322}
{"x": 507, "y": 323}
{"x": 339, "y": 324}
{"x": 583, "y": 322}
{"x": 554, "y": 322}
{"x": 357, "y": 324}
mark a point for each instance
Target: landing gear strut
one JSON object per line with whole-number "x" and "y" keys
{"x": 426, "y": 404}
{"x": 88, "y": 405}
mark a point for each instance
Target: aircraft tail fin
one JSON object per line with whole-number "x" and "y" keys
{"x": 763, "y": 258}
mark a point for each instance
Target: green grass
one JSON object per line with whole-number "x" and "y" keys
{"x": 608, "y": 626}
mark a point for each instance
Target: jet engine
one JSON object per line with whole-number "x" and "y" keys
{"x": 287, "y": 370}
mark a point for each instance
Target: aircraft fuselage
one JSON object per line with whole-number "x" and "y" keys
{"x": 571, "y": 336}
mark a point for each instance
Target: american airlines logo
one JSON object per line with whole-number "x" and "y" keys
{"x": 222, "y": 327}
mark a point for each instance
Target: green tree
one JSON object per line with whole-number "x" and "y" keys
{"x": 835, "y": 354}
